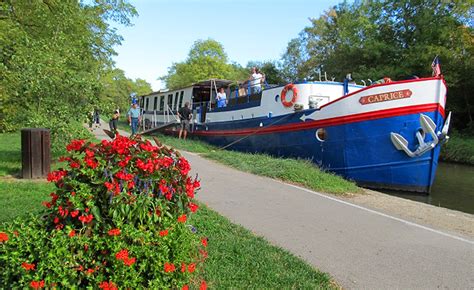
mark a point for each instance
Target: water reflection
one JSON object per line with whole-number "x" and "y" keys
{"x": 453, "y": 188}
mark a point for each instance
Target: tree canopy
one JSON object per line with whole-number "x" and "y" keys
{"x": 206, "y": 59}
{"x": 55, "y": 56}
{"x": 396, "y": 38}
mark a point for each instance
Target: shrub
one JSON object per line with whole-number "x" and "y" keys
{"x": 116, "y": 219}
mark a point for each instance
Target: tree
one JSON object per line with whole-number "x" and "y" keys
{"x": 377, "y": 38}
{"x": 206, "y": 59}
{"x": 117, "y": 89}
{"x": 54, "y": 54}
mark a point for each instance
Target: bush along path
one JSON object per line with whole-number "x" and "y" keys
{"x": 117, "y": 218}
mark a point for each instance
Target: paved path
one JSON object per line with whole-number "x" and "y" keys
{"x": 359, "y": 247}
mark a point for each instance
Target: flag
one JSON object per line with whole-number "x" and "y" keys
{"x": 436, "y": 67}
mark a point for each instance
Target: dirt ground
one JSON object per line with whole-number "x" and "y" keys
{"x": 436, "y": 217}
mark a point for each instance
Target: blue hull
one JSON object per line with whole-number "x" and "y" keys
{"x": 360, "y": 151}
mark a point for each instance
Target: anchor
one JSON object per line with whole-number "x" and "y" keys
{"x": 427, "y": 127}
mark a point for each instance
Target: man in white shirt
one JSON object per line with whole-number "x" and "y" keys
{"x": 255, "y": 81}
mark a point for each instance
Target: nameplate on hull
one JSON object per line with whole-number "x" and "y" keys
{"x": 384, "y": 97}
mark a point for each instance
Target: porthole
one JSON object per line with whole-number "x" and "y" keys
{"x": 321, "y": 134}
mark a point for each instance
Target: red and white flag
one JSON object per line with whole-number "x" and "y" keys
{"x": 436, "y": 67}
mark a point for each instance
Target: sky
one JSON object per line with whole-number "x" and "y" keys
{"x": 165, "y": 30}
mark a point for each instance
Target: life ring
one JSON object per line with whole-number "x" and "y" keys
{"x": 283, "y": 95}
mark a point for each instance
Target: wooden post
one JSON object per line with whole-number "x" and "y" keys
{"x": 35, "y": 153}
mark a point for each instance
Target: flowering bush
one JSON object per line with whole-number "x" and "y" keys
{"x": 116, "y": 219}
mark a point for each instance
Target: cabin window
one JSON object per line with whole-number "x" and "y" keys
{"x": 181, "y": 99}
{"x": 176, "y": 101}
{"x": 162, "y": 103}
{"x": 321, "y": 134}
{"x": 146, "y": 103}
{"x": 170, "y": 101}
{"x": 155, "y": 103}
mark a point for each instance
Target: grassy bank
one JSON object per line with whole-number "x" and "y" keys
{"x": 237, "y": 258}
{"x": 300, "y": 172}
{"x": 460, "y": 149}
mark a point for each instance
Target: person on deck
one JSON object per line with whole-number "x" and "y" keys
{"x": 185, "y": 115}
{"x": 134, "y": 117}
{"x": 255, "y": 81}
{"x": 221, "y": 98}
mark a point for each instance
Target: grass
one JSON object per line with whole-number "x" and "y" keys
{"x": 301, "y": 172}
{"x": 460, "y": 148}
{"x": 237, "y": 258}
{"x": 10, "y": 154}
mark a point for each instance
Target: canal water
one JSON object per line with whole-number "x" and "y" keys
{"x": 453, "y": 188}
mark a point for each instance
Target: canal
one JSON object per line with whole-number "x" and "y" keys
{"x": 453, "y": 188}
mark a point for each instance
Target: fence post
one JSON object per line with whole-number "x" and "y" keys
{"x": 35, "y": 153}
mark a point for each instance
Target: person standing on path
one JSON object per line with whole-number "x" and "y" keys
{"x": 185, "y": 115}
{"x": 96, "y": 117}
{"x": 134, "y": 117}
{"x": 114, "y": 121}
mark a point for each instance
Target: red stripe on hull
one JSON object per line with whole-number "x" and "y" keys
{"x": 330, "y": 122}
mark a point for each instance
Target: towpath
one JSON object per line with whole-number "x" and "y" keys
{"x": 358, "y": 246}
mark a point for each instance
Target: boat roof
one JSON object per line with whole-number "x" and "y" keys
{"x": 210, "y": 82}
{"x": 200, "y": 84}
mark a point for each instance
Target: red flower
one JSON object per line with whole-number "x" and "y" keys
{"x": 86, "y": 218}
{"x": 37, "y": 284}
{"x": 57, "y": 175}
{"x": 80, "y": 268}
{"x": 91, "y": 162}
{"x": 203, "y": 285}
{"x": 204, "y": 242}
{"x": 62, "y": 212}
{"x": 124, "y": 176}
{"x": 164, "y": 233}
{"x": 183, "y": 267}
{"x": 90, "y": 271}
{"x": 193, "y": 207}
{"x": 75, "y": 145}
{"x": 163, "y": 188}
{"x": 72, "y": 233}
{"x": 147, "y": 146}
{"x": 27, "y": 266}
{"x": 109, "y": 185}
{"x": 129, "y": 261}
{"x": 183, "y": 166}
{"x": 191, "y": 267}
{"x": 74, "y": 164}
{"x": 114, "y": 232}
{"x": 169, "y": 267}
{"x": 56, "y": 220}
{"x": 185, "y": 287}
{"x": 122, "y": 254}
{"x": 108, "y": 285}
{"x": 73, "y": 193}
{"x": 182, "y": 219}
{"x": 47, "y": 204}
{"x": 74, "y": 213}
{"x": 125, "y": 161}
{"x": 89, "y": 153}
